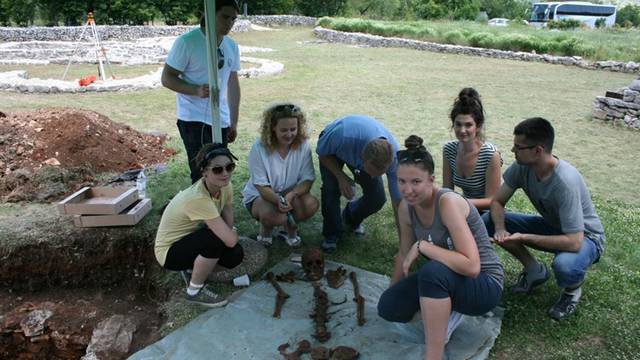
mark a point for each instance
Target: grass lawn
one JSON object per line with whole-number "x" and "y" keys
{"x": 78, "y": 71}
{"x": 411, "y": 92}
{"x": 595, "y": 44}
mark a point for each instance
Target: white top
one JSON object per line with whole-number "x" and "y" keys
{"x": 189, "y": 56}
{"x": 269, "y": 169}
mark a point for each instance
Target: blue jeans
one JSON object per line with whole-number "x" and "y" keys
{"x": 372, "y": 200}
{"x": 469, "y": 296}
{"x": 569, "y": 268}
{"x": 195, "y": 135}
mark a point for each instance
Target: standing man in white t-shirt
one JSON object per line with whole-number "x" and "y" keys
{"x": 186, "y": 72}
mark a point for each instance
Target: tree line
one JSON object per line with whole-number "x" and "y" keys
{"x": 172, "y": 12}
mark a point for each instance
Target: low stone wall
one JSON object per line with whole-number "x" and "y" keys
{"x": 379, "y": 41}
{"x": 625, "y": 111}
{"x": 123, "y": 32}
{"x": 106, "y": 32}
{"x": 282, "y": 20}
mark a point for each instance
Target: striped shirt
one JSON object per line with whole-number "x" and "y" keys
{"x": 473, "y": 187}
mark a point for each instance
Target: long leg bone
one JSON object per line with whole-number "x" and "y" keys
{"x": 358, "y": 299}
{"x": 281, "y": 297}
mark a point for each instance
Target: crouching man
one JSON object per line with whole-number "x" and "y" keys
{"x": 568, "y": 225}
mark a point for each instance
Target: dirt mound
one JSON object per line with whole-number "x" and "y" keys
{"x": 49, "y": 152}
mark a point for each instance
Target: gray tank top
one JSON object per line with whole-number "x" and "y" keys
{"x": 438, "y": 234}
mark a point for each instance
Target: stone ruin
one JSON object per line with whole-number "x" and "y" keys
{"x": 621, "y": 106}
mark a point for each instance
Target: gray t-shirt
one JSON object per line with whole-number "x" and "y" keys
{"x": 438, "y": 234}
{"x": 562, "y": 199}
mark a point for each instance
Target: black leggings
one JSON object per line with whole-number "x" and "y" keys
{"x": 469, "y": 296}
{"x": 183, "y": 252}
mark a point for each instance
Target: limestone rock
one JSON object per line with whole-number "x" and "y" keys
{"x": 111, "y": 338}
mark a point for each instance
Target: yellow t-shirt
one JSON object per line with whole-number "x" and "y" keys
{"x": 186, "y": 213}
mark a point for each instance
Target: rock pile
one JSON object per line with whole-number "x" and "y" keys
{"x": 379, "y": 41}
{"x": 620, "y": 107}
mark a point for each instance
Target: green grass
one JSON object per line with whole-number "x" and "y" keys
{"x": 411, "y": 92}
{"x": 594, "y": 44}
{"x": 78, "y": 71}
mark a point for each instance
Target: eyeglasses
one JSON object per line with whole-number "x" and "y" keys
{"x": 288, "y": 110}
{"x": 228, "y": 168}
{"x": 520, "y": 148}
{"x": 220, "y": 59}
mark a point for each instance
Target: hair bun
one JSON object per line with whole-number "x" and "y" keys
{"x": 468, "y": 94}
{"x": 413, "y": 142}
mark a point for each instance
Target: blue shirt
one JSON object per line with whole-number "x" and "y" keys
{"x": 345, "y": 138}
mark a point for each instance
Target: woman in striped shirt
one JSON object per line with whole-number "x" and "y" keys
{"x": 471, "y": 163}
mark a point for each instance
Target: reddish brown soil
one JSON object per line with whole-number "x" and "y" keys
{"x": 78, "y": 144}
{"x": 75, "y": 314}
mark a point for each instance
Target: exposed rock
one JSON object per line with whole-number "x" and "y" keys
{"x": 111, "y": 338}
{"x": 620, "y": 111}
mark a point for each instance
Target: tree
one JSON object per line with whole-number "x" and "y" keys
{"x": 510, "y": 9}
{"x": 174, "y": 11}
{"x": 23, "y": 11}
{"x": 5, "y": 12}
{"x": 271, "y": 7}
{"x": 320, "y": 8}
{"x": 376, "y": 9}
{"x": 629, "y": 14}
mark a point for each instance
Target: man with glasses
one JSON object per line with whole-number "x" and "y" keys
{"x": 186, "y": 72}
{"x": 368, "y": 149}
{"x": 568, "y": 226}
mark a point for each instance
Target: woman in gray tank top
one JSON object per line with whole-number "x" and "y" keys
{"x": 463, "y": 272}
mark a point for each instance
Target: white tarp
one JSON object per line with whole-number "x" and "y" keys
{"x": 245, "y": 328}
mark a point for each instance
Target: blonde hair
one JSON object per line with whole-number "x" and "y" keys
{"x": 379, "y": 152}
{"x": 270, "y": 119}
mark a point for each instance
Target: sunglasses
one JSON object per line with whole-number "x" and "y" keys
{"x": 414, "y": 156}
{"x": 288, "y": 110}
{"x": 219, "y": 169}
{"x": 220, "y": 59}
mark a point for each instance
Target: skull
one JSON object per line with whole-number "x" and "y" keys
{"x": 313, "y": 264}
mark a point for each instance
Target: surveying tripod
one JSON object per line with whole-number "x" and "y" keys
{"x": 100, "y": 51}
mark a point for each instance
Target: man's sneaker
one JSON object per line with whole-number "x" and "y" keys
{"x": 565, "y": 306}
{"x": 207, "y": 298}
{"x": 329, "y": 245}
{"x": 527, "y": 281}
{"x": 186, "y": 277}
{"x": 358, "y": 230}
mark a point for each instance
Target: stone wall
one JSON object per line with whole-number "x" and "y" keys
{"x": 123, "y": 32}
{"x": 282, "y": 20}
{"x": 379, "y": 41}
{"x": 625, "y": 111}
{"x": 106, "y": 32}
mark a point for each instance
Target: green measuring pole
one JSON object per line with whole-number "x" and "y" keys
{"x": 212, "y": 60}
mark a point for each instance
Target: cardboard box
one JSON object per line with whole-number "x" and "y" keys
{"x": 99, "y": 200}
{"x": 129, "y": 217}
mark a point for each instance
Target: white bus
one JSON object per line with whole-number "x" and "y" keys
{"x": 586, "y": 13}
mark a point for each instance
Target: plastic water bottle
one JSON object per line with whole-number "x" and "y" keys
{"x": 141, "y": 185}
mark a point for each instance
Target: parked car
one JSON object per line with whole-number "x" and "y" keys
{"x": 498, "y": 22}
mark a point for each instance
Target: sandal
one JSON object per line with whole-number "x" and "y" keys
{"x": 293, "y": 242}
{"x": 264, "y": 240}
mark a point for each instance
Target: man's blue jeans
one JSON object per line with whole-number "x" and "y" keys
{"x": 194, "y": 136}
{"x": 372, "y": 200}
{"x": 569, "y": 268}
